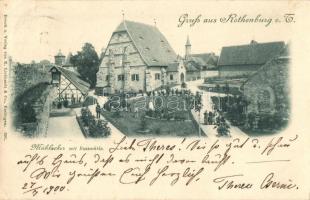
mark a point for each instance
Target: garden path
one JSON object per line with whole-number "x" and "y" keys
{"x": 64, "y": 126}
{"x": 207, "y": 106}
{"x": 115, "y": 133}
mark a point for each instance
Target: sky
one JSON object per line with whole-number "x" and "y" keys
{"x": 39, "y": 29}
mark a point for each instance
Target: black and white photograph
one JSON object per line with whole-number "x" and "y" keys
{"x": 136, "y": 78}
{"x": 154, "y": 100}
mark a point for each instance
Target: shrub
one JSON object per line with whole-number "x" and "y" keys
{"x": 86, "y": 116}
{"x": 150, "y": 113}
{"x": 217, "y": 88}
{"x": 90, "y": 100}
{"x": 157, "y": 114}
{"x": 168, "y": 89}
{"x": 124, "y": 103}
{"x": 103, "y": 128}
{"x": 92, "y": 128}
{"x": 157, "y": 131}
{"x": 96, "y": 128}
{"x": 116, "y": 114}
{"x": 223, "y": 129}
{"x": 59, "y": 105}
{"x": 28, "y": 114}
{"x": 66, "y": 103}
{"x": 143, "y": 123}
{"x": 251, "y": 119}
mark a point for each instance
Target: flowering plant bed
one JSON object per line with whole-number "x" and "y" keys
{"x": 132, "y": 125}
{"x": 92, "y": 127}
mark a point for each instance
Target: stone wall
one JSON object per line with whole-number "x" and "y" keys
{"x": 176, "y": 78}
{"x": 209, "y": 73}
{"x": 154, "y": 83}
{"x": 230, "y": 71}
{"x": 272, "y": 78}
{"x": 177, "y": 75}
{"x": 118, "y": 42}
{"x": 191, "y": 76}
{"x": 42, "y": 109}
{"x": 43, "y": 115}
{"x": 24, "y": 76}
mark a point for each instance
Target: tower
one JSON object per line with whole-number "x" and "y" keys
{"x": 188, "y": 47}
{"x": 59, "y": 59}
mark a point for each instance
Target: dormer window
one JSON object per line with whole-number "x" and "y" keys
{"x": 147, "y": 48}
{"x": 140, "y": 37}
{"x": 163, "y": 43}
{"x": 118, "y": 36}
{"x": 154, "y": 60}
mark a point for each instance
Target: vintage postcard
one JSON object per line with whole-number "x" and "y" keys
{"x": 154, "y": 99}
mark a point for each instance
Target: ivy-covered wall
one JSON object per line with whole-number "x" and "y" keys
{"x": 267, "y": 91}
{"x": 30, "y": 93}
{"x": 25, "y": 76}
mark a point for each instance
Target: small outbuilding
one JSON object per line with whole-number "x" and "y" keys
{"x": 69, "y": 87}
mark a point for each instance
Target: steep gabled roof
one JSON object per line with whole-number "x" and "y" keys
{"x": 173, "y": 67}
{"x": 251, "y": 54}
{"x": 152, "y": 45}
{"x": 203, "y": 60}
{"x": 74, "y": 79}
{"x": 275, "y": 61}
{"x": 199, "y": 61}
{"x": 206, "y": 57}
{"x": 191, "y": 67}
{"x": 284, "y": 57}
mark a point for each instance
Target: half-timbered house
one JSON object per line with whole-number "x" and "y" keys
{"x": 68, "y": 86}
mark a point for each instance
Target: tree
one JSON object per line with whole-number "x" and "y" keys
{"x": 217, "y": 88}
{"x": 87, "y": 63}
{"x": 222, "y": 129}
{"x": 226, "y": 88}
{"x": 198, "y": 102}
{"x": 198, "y": 106}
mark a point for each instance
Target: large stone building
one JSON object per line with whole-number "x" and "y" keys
{"x": 199, "y": 65}
{"x": 267, "y": 90}
{"x": 244, "y": 60}
{"x": 138, "y": 57}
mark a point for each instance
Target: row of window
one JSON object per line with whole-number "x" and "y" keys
{"x": 135, "y": 77}
{"x": 157, "y": 76}
{"x": 121, "y": 77}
